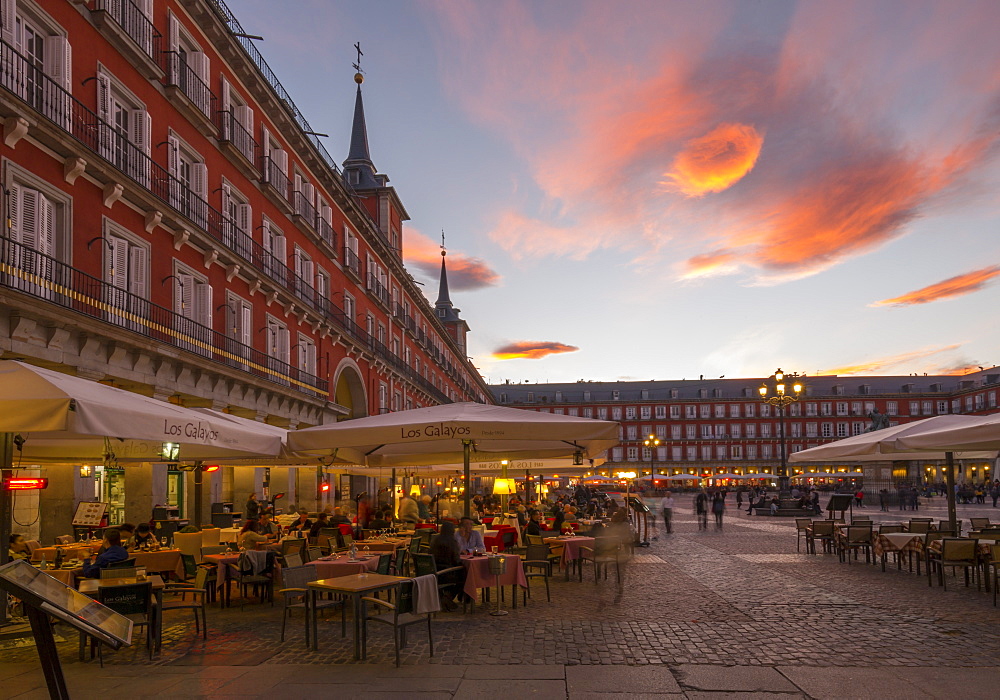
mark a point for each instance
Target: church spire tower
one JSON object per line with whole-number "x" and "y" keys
{"x": 445, "y": 309}
{"x": 358, "y": 168}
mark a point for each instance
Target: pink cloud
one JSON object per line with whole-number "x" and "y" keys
{"x": 959, "y": 285}
{"x": 464, "y": 272}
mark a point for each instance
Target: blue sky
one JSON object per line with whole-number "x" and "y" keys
{"x": 679, "y": 189}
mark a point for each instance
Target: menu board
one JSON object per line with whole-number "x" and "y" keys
{"x": 345, "y": 487}
{"x": 37, "y": 588}
{"x": 89, "y": 514}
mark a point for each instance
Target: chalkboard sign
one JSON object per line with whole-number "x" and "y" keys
{"x": 43, "y": 592}
{"x": 637, "y": 504}
{"x": 840, "y": 502}
{"x": 89, "y": 514}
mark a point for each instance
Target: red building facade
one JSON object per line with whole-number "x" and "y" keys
{"x": 174, "y": 227}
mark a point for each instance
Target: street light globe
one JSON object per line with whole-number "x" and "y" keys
{"x": 763, "y": 390}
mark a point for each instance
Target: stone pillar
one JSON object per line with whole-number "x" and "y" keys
{"x": 246, "y": 480}
{"x": 56, "y": 504}
{"x": 139, "y": 492}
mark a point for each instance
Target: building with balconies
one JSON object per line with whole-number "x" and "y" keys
{"x": 175, "y": 227}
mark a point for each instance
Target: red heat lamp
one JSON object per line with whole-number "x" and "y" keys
{"x": 25, "y": 483}
{"x": 324, "y": 487}
{"x": 209, "y": 468}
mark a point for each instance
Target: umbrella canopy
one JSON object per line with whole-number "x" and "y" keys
{"x": 658, "y": 477}
{"x": 962, "y": 434}
{"x": 817, "y": 475}
{"x": 66, "y": 418}
{"x": 683, "y": 477}
{"x": 892, "y": 444}
{"x": 438, "y": 434}
{"x": 725, "y": 476}
{"x": 760, "y": 475}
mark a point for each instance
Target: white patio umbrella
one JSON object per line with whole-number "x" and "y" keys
{"x": 816, "y": 475}
{"x": 458, "y": 431}
{"x": 963, "y": 434}
{"x": 683, "y": 477}
{"x": 658, "y": 477}
{"x": 725, "y": 475}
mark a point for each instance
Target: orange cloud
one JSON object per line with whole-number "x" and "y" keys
{"x": 464, "y": 272}
{"x": 883, "y": 363}
{"x": 716, "y": 161}
{"x": 531, "y": 350}
{"x": 952, "y": 287}
{"x": 718, "y": 262}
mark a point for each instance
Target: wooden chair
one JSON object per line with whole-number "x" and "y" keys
{"x": 399, "y": 616}
{"x": 293, "y": 560}
{"x": 857, "y": 538}
{"x": 956, "y": 552}
{"x": 134, "y": 601}
{"x": 175, "y": 598}
{"x": 887, "y": 528}
{"x": 823, "y": 531}
{"x": 606, "y": 551}
{"x": 802, "y": 526}
{"x": 979, "y": 523}
{"x": 995, "y": 563}
{"x": 118, "y": 572}
{"x": 919, "y": 527}
{"x": 295, "y": 595}
{"x": 424, "y": 564}
{"x": 946, "y": 525}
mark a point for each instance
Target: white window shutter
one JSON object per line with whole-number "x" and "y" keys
{"x": 203, "y": 304}
{"x": 28, "y": 216}
{"x": 201, "y": 65}
{"x": 9, "y": 8}
{"x": 185, "y": 296}
{"x": 281, "y": 157}
{"x": 298, "y": 182}
{"x": 280, "y": 249}
{"x": 307, "y": 271}
{"x": 227, "y": 195}
{"x": 146, "y": 7}
{"x": 138, "y": 271}
{"x": 265, "y": 142}
{"x": 141, "y": 130}
{"x": 246, "y": 325}
{"x": 284, "y": 344}
{"x": 244, "y": 218}
{"x": 225, "y": 95}
{"x": 117, "y": 272}
{"x": 244, "y": 115}
{"x": 104, "y": 112}
{"x": 58, "y": 61}
{"x": 14, "y": 212}
{"x": 297, "y": 258}
{"x": 173, "y": 33}
{"x": 173, "y": 156}
{"x": 199, "y": 179}
{"x": 311, "y": 358}
{"x": 267, "y": 239}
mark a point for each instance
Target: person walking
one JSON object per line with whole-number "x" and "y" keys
{"x": 995, "y": 492}
{"x": 701, "y": 509}
{"x": 252, "y": 508}
{"x": 718, "y": 508}
{"x": 739, "y": 498}
{"x": 667, "y": 506}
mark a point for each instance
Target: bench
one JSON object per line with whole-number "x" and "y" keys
{"x": 786, "y": 512}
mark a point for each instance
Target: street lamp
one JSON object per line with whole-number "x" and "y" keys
{"x": 778, "y": 395}
{"x": 651, "y": 443}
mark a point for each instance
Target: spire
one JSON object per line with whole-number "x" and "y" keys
{"x": 444, "y": 298}
{"x": 359, "y": 170}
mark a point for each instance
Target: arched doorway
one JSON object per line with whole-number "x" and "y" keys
{"x": 349, "y": 389}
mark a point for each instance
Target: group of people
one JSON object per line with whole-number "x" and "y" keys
{"x": 118, "y": 542}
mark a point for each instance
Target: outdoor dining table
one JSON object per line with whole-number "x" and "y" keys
{"x": 81, "y": 550}
{"x": 66, "y": 574}
{"x": 89, "y": 586}
{"x": 571, "y": 548}
{"x": 356, "y": 586}
{"x": 223, "y": 561}
{"x": 334, "y": 565}
{"x": 383, "y": 545}
{"x": 477, "y": 574}
{"x": 229, "y": 534}
{"x": 161, "y": 561}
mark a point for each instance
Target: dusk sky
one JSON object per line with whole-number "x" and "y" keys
{"x": 662, "y": 190}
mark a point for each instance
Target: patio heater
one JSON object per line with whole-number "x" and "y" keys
{"x": 777, "y": 395}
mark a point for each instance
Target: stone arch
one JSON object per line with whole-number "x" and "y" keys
{"x": 349, "y": 389}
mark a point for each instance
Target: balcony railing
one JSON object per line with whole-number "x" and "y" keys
{"x": 275, "y": 176}
{"x": 304, "y": 208}
{"x": 134, "y": 23}
{"x": 378, "y": 289}
{"x": 351, "y": 261}
{"x": 44, "y": 277}
{"x": 234, "y": 132}
{"x": 181, "y": 75}
{"x": 326, "y": 232}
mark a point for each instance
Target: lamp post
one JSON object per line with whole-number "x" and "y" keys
{"x": 651, "y": 443}
{"x": 778, "y": 394}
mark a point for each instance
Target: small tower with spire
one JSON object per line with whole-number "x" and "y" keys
{"x": 372, "y": 188}
{"x": 445, "y": 309}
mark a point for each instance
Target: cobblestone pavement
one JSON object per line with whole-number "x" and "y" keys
{"x": 714, "y": 611}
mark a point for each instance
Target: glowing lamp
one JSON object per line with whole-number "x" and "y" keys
{"x": 25, "y": 483}
{"x": 209, "y": 468}
{"x": 504, "y": 487}
{"x": 324, "y": 487}
{"x": 415, "y": 490}
{"x": 85, "y": 471}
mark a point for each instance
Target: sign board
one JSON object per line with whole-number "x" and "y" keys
{"x": 638, "y": 505}
{"x": 89, "y": 514}
{"x": 345, "y": 487}
{"x": 41, "y": 591}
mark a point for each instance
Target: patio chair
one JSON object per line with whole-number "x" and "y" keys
{"x": 534, "y": 539}
{"x": 313, "y": 553}
{"x": 293, "y": 560}
{"x": 606, "y": 551}
{"x": 537, "y": 565}
{"x": 887, "y": 528}
{"x": 399, "y": 616}
{"x": 134, "y": 601}
{"x": 925, "y": 552}
{"x": 424, "y": 564}
{"x": 293, "y": 545}
{"x": 344, "y": 541}
{"x": 946, "y": 525}
{"x": 979, "y": 523}
{"x": 118, "y": 571}
{"x": 956, "y": 552}
{"x": 295, "y": 595}
{"x": 384, "y": 561}
{"x": 919, "y": 527}
{"x": 399, "y": 563}
{"x": 175, "y": 598}
{"x": 995, "y": 563}
{"x": 823, "y": 531}
{"x": 855, "y": 539}
{"x": 801, "y": 530}
{"x": 242, "y": 574}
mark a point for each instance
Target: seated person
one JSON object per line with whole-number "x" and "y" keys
{"x": 534, "y": 526}
{"x": 303, "y": 524}
{"x": 248, "y": 537}
{"x": 113, "y": 553}
{"x": 445, "y": 550}
{"x": 774, "y": 505}
{"x": 569, "y": 515}
{"x": 382, "y": 519}
{"x": 322, "y": 521}
{"x": 18, "y": 548}
{"x": 339, "y": 518}
{"x": 266, "y": 525}
{"x": 143, "y": 537}
{"x": 469, "y": 540}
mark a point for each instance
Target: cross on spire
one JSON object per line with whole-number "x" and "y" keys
{"x": 357, "y": 66}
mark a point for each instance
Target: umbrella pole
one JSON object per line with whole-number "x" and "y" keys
{"x": 950, "y": 481}
{"x": 6, "y": 511}
{"x": 199, "y": 479}
{"x": 466, "y": 458}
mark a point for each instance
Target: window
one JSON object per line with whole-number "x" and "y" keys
{"x": 616, "y": 454}
{"x": 674, "y": 393}
{"x": 615, "y": 395}
{"x": 586, "y": 396}
{"x": 692, "y": 454}
{"x": 275, "y": 252}
{"x": 193, "y": 304}
{"x": 706, "y": 452}
{"x": 891, "y": 408}
{"x": 811, "y": 430}
{"x": 690, "y": 411}
{"x": 734, "y": 410}
{"x": 383, "y": 398}
{"x": 304, "y": 269}
{"x": 927, "y": 408}
{"x": 751, "y": 430}
{"x": 630, "y": 413}
{"x": 616, "y": 413}
{"x": 126, "y": 265}
{"x": 237, "y": 121}
{"x": 632, "y": 454}
{"x": 942, "y": 407}
{"x": 765, "y": 452}
{"x": 275, "y": 163}
{"x": 675, "y": 432}
{"x": 826, "y": 409}
{"x": 751, "y": 452}
{"x": 749, "y": 410}
{"x": 841, "y": 408}
{"x": 735, "y": 429}
{"x": 765, "y": 410}
{"x": 349, "y": 310}
{"x": 647, "y": 454}
{"x": 588, "y": 412}
{"x": 239, "y": 329}
{"x": 304, "y": 198}
{"x": 827, "y": 430}
{"x": 602, "y": 413}
{"x": 237, "y": 222}
{"x": 306, "y": 361}
{"x": 991, "y": 399}
{"x": 675, "y": 412}
{"x": 705, "y": 411}
{"x": 676, "y": 454}
{"x": 702, "y": 393}
{"x": 857, "y": 428}
{"x": 559, "y": 397}
{"x": 811, "y": 409}
{"x": 632, "y": 432}
{"x": 644, "y": 394}
{"x": 842, "y": 430}
{"x": 796, "y": 430}
{"x": 795, "y": 410}
{"x": 125, "y": 133}
{"x": 690, "y": 432}
{"x": 45, "y": 62}
{"x": 572, "y": 411}
{"x": 721, "y": 452}
{"x": 720, "y": 411}
{"x": 765, "y": 430}
{"x": 188, "y": 67}
{"x": 188, "y": 181}
{"x": 661, "y": 412}
{"x": 914, "y": 408}
{"x": 34, "y": 219}
{"x": 644, "y": 412}
{"x": 661, "y": 432}
{"x": 737, "y": 451}
{"x": 856, "y": 408}
{"x": 706, "y": 431}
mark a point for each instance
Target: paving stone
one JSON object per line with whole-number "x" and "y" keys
{"x": 488, "y": 689}
{"x": 836, "y": 683}
{"x": 732, "y": 678}
{"x": 520, "y": 672}
{"x": 621, "y": 679}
